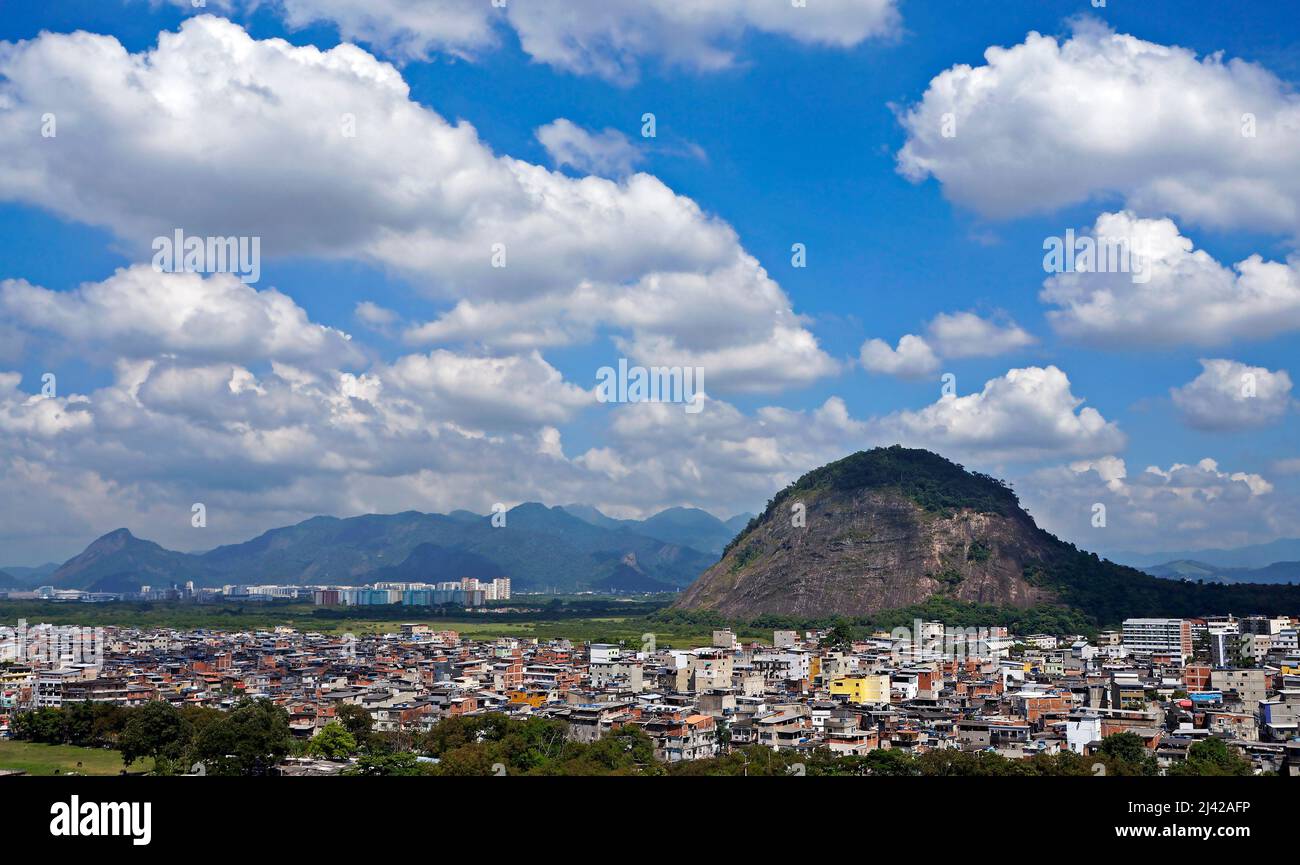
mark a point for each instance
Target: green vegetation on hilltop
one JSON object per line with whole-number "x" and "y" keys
{"x": 1110, "y": 593}
{"x": 928, "y": 479}
{"x": 934, "y": 483}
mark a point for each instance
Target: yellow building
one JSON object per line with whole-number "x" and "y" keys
{"x": 532, "y": 698}
{"x": 873, "y": 688}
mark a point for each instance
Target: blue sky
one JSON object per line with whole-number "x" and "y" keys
{"x": 779, "y": 133}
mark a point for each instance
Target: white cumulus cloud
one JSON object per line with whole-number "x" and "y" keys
{"x": 948, "y": 335}
{"x": 965, "y": 334}
{"x": 608, "y": 153}
{"x": 1022, "y": 416}
{"x": 1182, "y": 297}
{"x": 1034, "y": 128}
{"x": 139, "y": 312}
{"x": 1229, "y": 395}
{"x": 1188, "y": 506}
{"x": 324, "y": 153}
{"x": 591, "y": 37}
{"x": 913, "y": 358}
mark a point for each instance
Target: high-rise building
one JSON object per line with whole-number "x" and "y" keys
{"x": 497, "y": 590}
{"x": 1158, "y": 637}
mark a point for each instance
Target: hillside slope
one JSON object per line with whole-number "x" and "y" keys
{"x": 893, "y": 527}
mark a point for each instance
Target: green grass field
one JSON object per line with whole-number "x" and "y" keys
{"x": 37, "y": 759}
{"x": 605, "y": 629}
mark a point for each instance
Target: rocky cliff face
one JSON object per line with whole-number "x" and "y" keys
{"x": 893, "y": 527}
{"x": 865, "y": 550}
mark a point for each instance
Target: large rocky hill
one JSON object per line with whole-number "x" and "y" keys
{"x": 893, "y": 527}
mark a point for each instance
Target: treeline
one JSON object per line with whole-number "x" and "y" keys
{"x": 1120, "y": 755}
{"x": 254, "y": 736}
{"x": 528, "y": 610}
{"x": 248, "y": 739}
{"x": 1034, "y": 620}
{"x": 495, "y": 744}
{"x": 1111, "y": 593}
{"x": 225, "y": 615}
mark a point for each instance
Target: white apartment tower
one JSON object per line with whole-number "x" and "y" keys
{"x": 1158, "y": 636}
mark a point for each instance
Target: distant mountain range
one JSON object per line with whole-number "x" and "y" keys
{"x": 540, "y": 548}
{"x": 1253, "y": 556}
{"x": 689, "y": 527}
{"x": 1189, "y": 569}
{"x": 1277, "y": 562}
{"x": 17, "y": 575}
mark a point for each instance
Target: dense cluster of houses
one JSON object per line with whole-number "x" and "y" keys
{"x": 1171, "y": 682}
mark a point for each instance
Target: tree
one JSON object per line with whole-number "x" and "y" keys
{"x": 750, "y": 760}
{"x": 333, "y": 742}
{"x": 1126, "y": 754}
{"x": 840, "y": 636}
{"x": 1201, "y": 646}
{"x": 1213, "y": 756}
{"x": 247, "y": 740}
{"x": 449, "y": 734}
{"x": 43, "y": 725}
{"x": 375, "y": 765}
{"x": 950, "y": 762}
{"x": 623, "y": 749}
{"x": 110, "y": 721}
{"x": 79, "y": 723}
{"x": 356, "y": 720}
{"x": 1243, "y": 653}
{"x": 155, "y": 730}
{"x": 465, "y": 760}
{"x": 1124, "y": 746}
{"x": 891, "y": 763}
{"x": 199, "y": 717}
